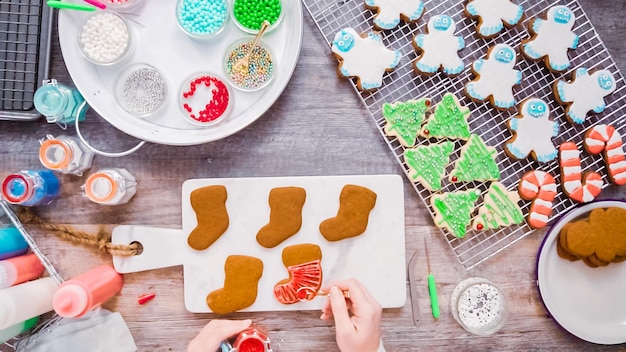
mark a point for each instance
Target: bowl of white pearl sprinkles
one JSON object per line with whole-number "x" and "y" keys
{"x": 105, "y": 38}
{"x": 479, "y": 306}
{"x": 141, "y": 90}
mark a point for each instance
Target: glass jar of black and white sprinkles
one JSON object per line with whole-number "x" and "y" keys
{"x": 141, "y": 90}
{"x": 479, "y": 306}
{"x": 205, "y": 99}
{"x": 202, "y": 19}
{"x": 105, "y": 38}
{"x": 249, "y": 68}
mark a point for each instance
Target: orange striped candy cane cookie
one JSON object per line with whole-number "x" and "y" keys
{"x": 580, "y": 187}
{"x": 540, "y": 187}
{"x": 607, "y": 140}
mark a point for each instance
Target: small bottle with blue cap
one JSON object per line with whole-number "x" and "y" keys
{"x": 59, "y": 103}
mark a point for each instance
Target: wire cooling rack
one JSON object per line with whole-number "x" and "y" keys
{"x": 24, "y": 55}
{"x": 403, "y": 84}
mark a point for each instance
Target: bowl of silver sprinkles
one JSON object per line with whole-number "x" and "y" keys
{"x": 479, "y": 306}
{"x": 202, "y": 19}
{"x": 105, "y": 38}
{"x": 141, "y": 90}
{"x": 249, "y": 68}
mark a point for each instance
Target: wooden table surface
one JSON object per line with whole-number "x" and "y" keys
{"x": 317, "y": 127}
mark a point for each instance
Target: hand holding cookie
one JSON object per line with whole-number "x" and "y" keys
{"x": 216, "y": 331}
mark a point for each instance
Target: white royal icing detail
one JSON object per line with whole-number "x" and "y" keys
{"x": 585, "y": 93}
{"x": 540, "y": 217}
{"x": 569, "y": 154}
{"x": 570, "y": 186}
{"x": 553, "y": 38}
{"x": 366, "y": 58}
{"x": 496, "y": 77}
{"x": 390, "y": 11}
{"x": 571, "y": 169}
{"x": 493, "y": 14}
{"x": 542, "y": 202}
{"x": 533, "y": 132}
{"x": 530, "y": 186}
{"x": 439, "y": 47}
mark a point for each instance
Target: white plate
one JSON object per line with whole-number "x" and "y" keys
{"x": 158, "y": 41}
{"x": 587, "y": 302}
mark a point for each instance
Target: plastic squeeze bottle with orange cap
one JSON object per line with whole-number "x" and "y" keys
{"x": 87, "y": 291}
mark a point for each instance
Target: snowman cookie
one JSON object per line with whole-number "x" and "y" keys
{"x": 532, "y": 132}
{"x": 552, "y": 38}
{"x": 364, "y": 57}
{"x": 493, "y": 15}
{"x": 439, "y": 48}
{"x": 584, "y": 93}
{"x": 495, "y": 77}
{"x": 390, "y": 12}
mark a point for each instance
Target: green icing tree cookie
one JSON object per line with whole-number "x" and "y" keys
{"x": 448, "y": 121}
{"x": 476, "y": 163}
{"x": 499, "y": 209}
{"x": 453, "y": 211}
{"x": 427, "y": 164}
{"x": 404, "y": 119}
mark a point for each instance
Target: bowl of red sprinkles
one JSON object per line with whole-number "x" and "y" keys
{"x": 205, "y": 99}
{"x": 260, "y": 67}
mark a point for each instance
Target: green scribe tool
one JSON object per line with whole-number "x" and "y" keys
{"x": 432, "y": 287}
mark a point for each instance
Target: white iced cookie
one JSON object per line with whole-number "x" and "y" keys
{"x": 364, "y": 57}
{"x": 584, "y": 93}
{"x": 439, "y": 48}
{"x": 532, "y": 132}
{"x": 390, "y": 12}
{"x": 552, "y": 38}
{"x": 493, "y": 15}
{"x": 495, "y": 77}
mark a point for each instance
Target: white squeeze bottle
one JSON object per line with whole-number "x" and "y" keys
{"x": 24, "y": 301}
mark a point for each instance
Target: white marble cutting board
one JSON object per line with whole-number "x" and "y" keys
{"x": 376, "y": 258}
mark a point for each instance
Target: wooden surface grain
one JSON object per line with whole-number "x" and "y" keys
{"x": 317, "y": 127}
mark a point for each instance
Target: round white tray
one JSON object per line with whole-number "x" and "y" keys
{"x": 157, "y": 40}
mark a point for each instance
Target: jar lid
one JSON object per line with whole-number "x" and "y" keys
{"x": 55, "y": 154}
{"x": 16, "y": 188}
{"x": 100, "y": 187}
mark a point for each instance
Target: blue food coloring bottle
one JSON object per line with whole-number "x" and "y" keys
{"x": 31, "y": 187}
{"x": 12, "y": 244}
{"x": 60, "y": 103}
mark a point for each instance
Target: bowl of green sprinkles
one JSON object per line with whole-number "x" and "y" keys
{"x": 254, "y": 74}
{"x": 249, "y": 15}
{"x": 202, "y": 19}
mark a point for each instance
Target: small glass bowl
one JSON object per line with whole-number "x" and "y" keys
{"x": 479, "y": 306}
{"x": 260, "y": 69}
{"x": 123, "y": 5}
{"x": 105, "y": 38}
{"x": 141, "y": 90}
{"x": 253, "y": 25}
{"x": 202, "y": 23}
{"x": 205, "y": 99}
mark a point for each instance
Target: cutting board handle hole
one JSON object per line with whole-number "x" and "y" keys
{"x": 139, "y": 247}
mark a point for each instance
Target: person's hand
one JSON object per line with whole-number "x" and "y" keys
{"x": 357, "y": 319}
{"x": 216, "y": 331}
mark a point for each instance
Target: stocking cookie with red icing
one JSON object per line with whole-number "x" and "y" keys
{"x": 364, "y": 57}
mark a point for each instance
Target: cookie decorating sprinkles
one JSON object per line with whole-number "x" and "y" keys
{"x": 104, "y": 38}
{"x": 259, "y": 70}
{"x": 202, "y": 18}
{"x": 250, "y": 14}
{"x": 141, "y": 90}
{"x": 205, "y": 99}
{"x": 479, "y": 306}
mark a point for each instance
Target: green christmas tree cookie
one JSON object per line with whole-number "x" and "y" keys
{"x": 454, "y": 210}
{"x": 427, "y": 164}
{"x": 476, "y": 163}
{"x": 404, "y": 119}
{"x": 448, "y": 121}
{"x": 499, "y": 209}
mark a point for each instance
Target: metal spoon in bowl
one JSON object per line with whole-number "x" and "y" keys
{"x": 245, "y": 61}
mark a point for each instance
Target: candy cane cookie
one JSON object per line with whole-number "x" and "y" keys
{"x": 607, "y": 140}
{"x": 540, "y": 188}
{"x": 580, "y": 187}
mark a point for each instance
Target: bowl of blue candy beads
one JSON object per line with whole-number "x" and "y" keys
{"x": 202, "y": 19}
